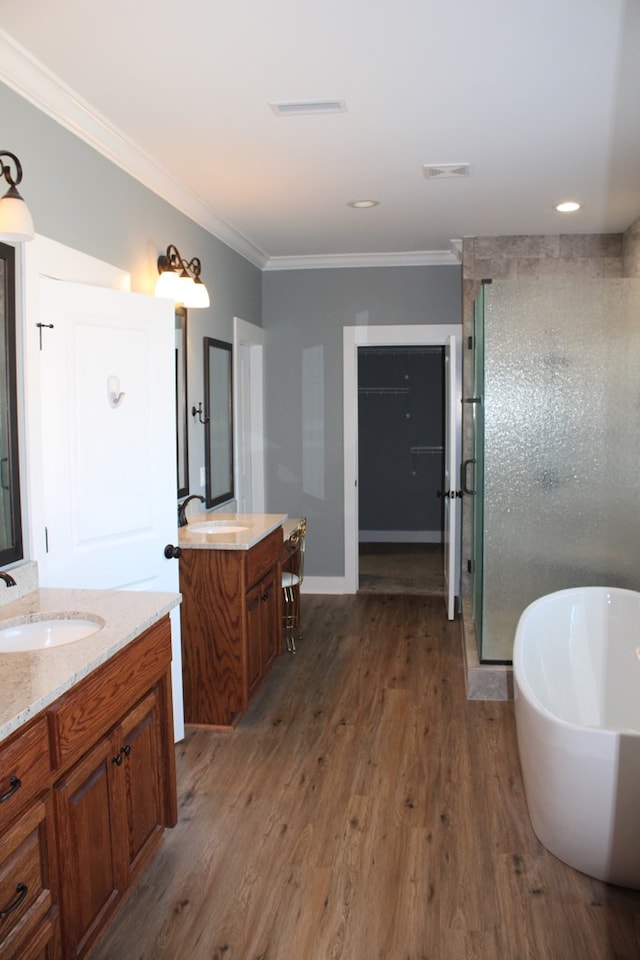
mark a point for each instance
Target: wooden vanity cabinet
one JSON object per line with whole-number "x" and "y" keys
{"x": 230, "y": 626}
{"x": 86, "y": 790}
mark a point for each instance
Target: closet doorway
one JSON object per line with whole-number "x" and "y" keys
{"x": 401, "y": 435}
{"x": 447, "y": 336}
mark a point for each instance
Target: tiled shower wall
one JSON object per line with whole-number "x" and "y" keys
{"x": 529, "y": 257}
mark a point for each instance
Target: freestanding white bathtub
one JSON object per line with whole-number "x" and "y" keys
{"x": 576, "y": 667}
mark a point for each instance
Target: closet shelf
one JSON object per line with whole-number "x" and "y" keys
{"x": 420, "y": 450}
{"x": 385, "y": 391}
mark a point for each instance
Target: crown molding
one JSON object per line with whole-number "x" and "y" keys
{"x": 410, "y": 258}
{"x": 31, "y": 80}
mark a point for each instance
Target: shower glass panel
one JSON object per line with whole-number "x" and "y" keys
{"x": 561, "y": 444}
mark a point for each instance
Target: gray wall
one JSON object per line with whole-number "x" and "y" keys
{"x": 310, "y": 308}
{"x": 81, "y": 199}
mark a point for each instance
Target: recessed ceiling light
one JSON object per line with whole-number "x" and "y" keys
{"x": 569, "y": 206}
{"x": 363, "y": 204}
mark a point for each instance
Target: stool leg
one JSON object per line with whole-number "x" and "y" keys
{"x": 290, "y": 619}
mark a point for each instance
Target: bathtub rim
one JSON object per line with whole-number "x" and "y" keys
{"x": 521, "y": 685}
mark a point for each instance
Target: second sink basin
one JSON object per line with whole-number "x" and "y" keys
{"x": 216, "y": 526}
{"x": 40, "y": 634}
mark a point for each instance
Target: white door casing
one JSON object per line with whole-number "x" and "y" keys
{"x": 451, "y": 473}
{"x": 401, "y": 335}
{"x": 102, "y": 473}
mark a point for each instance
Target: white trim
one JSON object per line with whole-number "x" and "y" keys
{"x": 320, "y": 585}
{"x": 408, "y": 258}
{"x": 32, "y": 80}
{"x": 354, "y": 337}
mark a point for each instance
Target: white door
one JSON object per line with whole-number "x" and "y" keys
{"x": 107, "y": 388}
{"x": 451, "y": 502}
{"x": 248, "y": 378}
{"x": 242, "y": 420}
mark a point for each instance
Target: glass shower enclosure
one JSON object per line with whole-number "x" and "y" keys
{"x": 556, "y": 411}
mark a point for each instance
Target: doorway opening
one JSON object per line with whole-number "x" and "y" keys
{"x": 401, "y": 436}
{"x": 447, "y": 336}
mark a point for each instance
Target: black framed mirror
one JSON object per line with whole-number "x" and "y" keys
{"x": 182, "y": 423}
{"x": 10, "y": 517}
{"x": 218, "y": 402}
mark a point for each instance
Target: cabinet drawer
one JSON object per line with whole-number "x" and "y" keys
{"x": 25, "y": 768}
{"x": 263, "y": 556}
{"x": 25, "y": 893}
{"x": 86, "y": 713}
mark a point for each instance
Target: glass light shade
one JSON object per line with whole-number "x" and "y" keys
{"x": 168, "y": 286}
{"x": 198, "y": 296}
{"x": 184, "y": 287}
{"x": 16, "y": 223}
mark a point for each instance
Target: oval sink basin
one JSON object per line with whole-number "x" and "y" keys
{"x": 33, "y": 634}
{"x": 216, "y": 526}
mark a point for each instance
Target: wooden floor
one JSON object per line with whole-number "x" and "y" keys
{"x": 365, "y": 810}
{"x": 405, "y": 568}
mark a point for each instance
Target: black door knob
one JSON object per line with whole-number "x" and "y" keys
{"x": 172, "y": 553}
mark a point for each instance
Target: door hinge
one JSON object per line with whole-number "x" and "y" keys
{"x": 46, "y": 540}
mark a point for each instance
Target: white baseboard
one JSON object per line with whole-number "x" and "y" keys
{"x": 335, "y": 585}
{"x": 400, "y": 536}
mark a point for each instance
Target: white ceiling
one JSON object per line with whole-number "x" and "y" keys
{"x": 539, "y": 97}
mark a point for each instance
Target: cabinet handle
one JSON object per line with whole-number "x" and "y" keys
{"x": 22, "y": 889}
{"x": 15, "y": 785}
{"x": 124, "y": 752}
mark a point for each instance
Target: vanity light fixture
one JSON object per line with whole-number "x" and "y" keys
{"x": 179, "y": 280}
{"x": 16, "y": 223}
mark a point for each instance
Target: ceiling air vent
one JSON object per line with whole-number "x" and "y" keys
{"x": 296, "y": 107}
{"x": 439, "y": 171}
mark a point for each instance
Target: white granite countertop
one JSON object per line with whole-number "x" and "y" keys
{"x": 255, "y": 526}
{"x": 31, "y": 681}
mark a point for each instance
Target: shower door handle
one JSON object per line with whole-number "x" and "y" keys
{"x": 466, "y": 486}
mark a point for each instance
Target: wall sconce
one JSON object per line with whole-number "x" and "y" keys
{"x": 180, "y": 281}
{"x": 15, "y": 219}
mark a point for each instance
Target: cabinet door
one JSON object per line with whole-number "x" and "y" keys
{"x": 254, "y": 636}
{"x": 271, "y": 621}
{"x": 263, "y": 624}
{"x": 92, "y": 873}
{"x": 139, "y": 777}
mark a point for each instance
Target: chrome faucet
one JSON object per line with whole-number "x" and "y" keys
{"x": 182, "y": 508}
{"x": 8, "y": 579}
